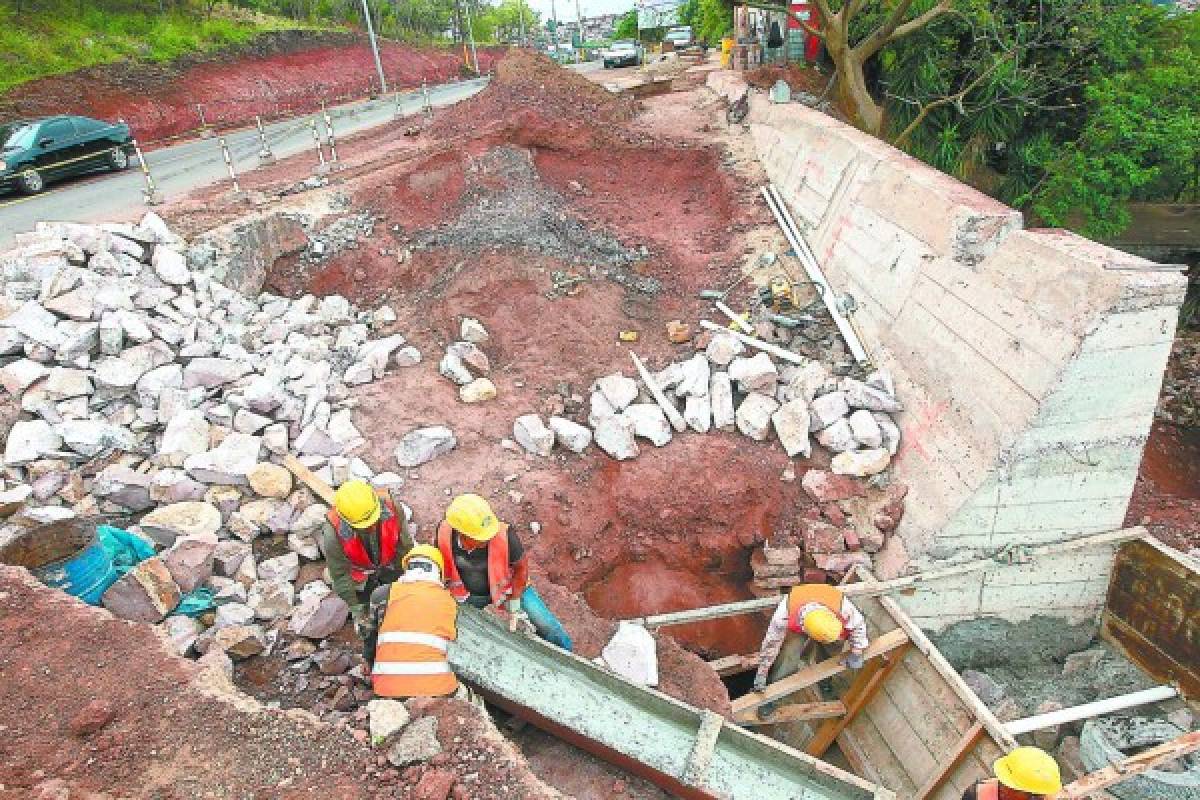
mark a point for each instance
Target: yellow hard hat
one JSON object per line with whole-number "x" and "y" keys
{"x": 823, "y": 625}
{"x": 470, "y": 515}
{"x": 1029, "y": 769}
{"x": 425, "y": 551}
{"x": 357, "y": 503}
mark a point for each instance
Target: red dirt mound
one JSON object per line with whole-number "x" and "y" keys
{"x": 278, "y": 74}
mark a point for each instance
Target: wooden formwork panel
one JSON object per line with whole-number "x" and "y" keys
{"x": 1152, "y": 612}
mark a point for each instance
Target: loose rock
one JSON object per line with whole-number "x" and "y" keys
{"x": 424, "y": 444}
{"x": 533, "y": 435}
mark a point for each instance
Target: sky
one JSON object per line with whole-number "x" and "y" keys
{"x": 588, "y": 8}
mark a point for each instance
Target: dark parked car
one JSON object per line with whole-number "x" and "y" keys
{"x": 622, "y": 53}
{"x": 35, "y": 152}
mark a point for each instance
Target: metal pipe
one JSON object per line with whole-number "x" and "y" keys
{"x": 317, "y": 139}
{"x": 471, "y": 36}
{"x": 1088, "y": 710}
{"x": 374, "y": 46}
{"x": 264, "y": 152}
{"x": 333, "y": 157}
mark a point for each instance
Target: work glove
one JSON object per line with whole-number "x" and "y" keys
{"x": 853, "y": 660}
{"x": 517, "y": 618}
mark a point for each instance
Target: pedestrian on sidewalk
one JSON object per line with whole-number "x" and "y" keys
{"x": 363, "y": 539}
{"x": 415, "y": 619}
{"x": 486, "y": 565}
{"x": 1027, "y": 773}
{"x": 823, "y": 614}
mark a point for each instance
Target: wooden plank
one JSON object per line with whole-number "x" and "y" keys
{"x": 702, "y": 750}
{"x": 672, "y": 413}
{"x": 322, "y": 489}
{"x": 795, "y": 712}
{"x": 1129, "y": 767}
{"x": 961, "y": 751}
{"x": 734, "y": 665}
{"x": 883, "y": 759}
{"x": 778, "y": 352}
{"x": 994, "y": 727}
{"x": 816, "y": 672}
{"x": 861, "y": 692}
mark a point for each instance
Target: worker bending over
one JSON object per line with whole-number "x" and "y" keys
{"x": 415, "y": 621}
{"x": 363, "y": 538}
{"x": 1026, "y": 773}
{"x": 486, "y": 564}
{"x": 822, "y": 613}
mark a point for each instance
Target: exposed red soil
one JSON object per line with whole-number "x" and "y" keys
{"x": 1166, "y": 497}
{"x": 278, "y": 74}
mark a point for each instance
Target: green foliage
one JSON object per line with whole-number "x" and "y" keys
{"x": 713, "y": 21}
{"x": 502, "y": 23}
{"x": 627, "y": 27}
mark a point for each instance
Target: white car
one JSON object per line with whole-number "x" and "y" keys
{"x": 680, "y": 36}
{"x": 622, "y": 53}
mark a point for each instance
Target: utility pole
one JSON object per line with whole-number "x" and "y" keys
{"x": 521, "y": 12}
{"x": 471, "y": 35}
{"x": 579, "y": 31}
{"x": 374, "y": 46}
{"x": 554, "y": 16}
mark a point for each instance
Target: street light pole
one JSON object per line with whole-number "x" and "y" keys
{"x": 374, "y": 47}
{"x": 521, "y": 11}
{"x": 579, "y": 28}
{"x": 470, "y": 34}
{"x": 554, "y": 16}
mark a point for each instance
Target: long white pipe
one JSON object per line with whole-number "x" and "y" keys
{"x": 1088, "y": 710}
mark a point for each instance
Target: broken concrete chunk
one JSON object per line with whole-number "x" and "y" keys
{"x": 599, "y": 408}
{"x": 532, "y": 434}
{"x": 806, "y": 381}
{"x": 36, "y": 324}
{"x": 838, "y": 437}
{"x": 417, "y": 744}
{"x": 240, "y": 641}
{"x": 860, "y": 395}
{"x": 825, "y": 487}
{"x": 270, "y": 480}
{"x": 424, "y": 444}
{"x": 452, "y": 367}
{"x": 271, "y": 599}
{"x": 697, "y": 412}
{"x": 125, "y": 487}
{"x": 63, "y": 383}
{"x": 828, "y": 409}
{"x": 720, "y": 392}
{"x": 213, "y": 372}
{"x": 888, "y": 430}
{"x": 614, "y": 435}
{"x": 280, "y": 568}
{"x": 228, "y": 463}
{"x": 632, "y": 653}
{"x": 865, "y": 429}
{"x": 861, "y": 463}
{"x": 317, "y": 618}
{"x": 571, "y": 435}
{"x": 791, "y": 423}
{"x": 387, "y": 717}
{"x": 753, "y": 416}
{"x": 335, "y": 310}
{"x": 179, "y": 520}
{"x": 187, "y": 433}
{"x": 190, "y": 561}
{"x": 649, "y": 422}
{"x": 756, "y": 374}
{"x": 182, "y": 632}
{"x": 472, "y": 331}
{"x": 90, "y": 437}
{"x": 146, "y": 593}
{"x": 228, "y": 556}
{"x": 479, "y": 390}
{"x": 696, "y": 375}
{"x": 618, "y": 390}
{"x": 470, "y": 355}
{"x": 20, "y": 375}
{"x": 723, "y": 348}
{"x": 170, "y": 266}
{"x": 246, "y": 421}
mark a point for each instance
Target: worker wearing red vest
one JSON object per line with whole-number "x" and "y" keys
{"x": 486, "y": 565}
{"x": 822, "y": 613}
{"x": 415, "y": 622}
{"x": 1026, "y": 773}
{"x": 364, "y": 537}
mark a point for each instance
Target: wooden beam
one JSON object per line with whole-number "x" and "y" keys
{"x": 876, "y": 588}
{"x": 975, "y": 706}
{"x": 322, "y": 489}
{"x": 816, "y": 672}
{"x": 964, "y": 748}
{"x": 796, "y": 712}
{"x": 767, "y": 347}
{"x": 861, "y": 692}
{"x": 1129, "y": 767}
{"x": 671, "y": 412}
{"x": 734, "y": 665}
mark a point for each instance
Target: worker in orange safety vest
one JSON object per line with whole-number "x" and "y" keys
{"x": 822, "y": 613}
{"x": 1027, "y": 773}
{"x": 416, "y": 619}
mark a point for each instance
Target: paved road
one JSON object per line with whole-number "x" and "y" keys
{"x": 182, "y": 167}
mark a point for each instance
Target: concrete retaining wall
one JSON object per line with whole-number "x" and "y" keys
{"x": 1029, "y": 361}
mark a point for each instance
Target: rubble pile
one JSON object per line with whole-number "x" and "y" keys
{"x": 142, "y": 383}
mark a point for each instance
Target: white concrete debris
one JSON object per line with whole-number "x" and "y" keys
{"x": 387, "y": 717}
{"x": 828, "y": 409}
{"x": 618, "y": 390}
{"x": 472, "y": 331}
{"x": 865, "y": 429}
{"x": 754, "y": 415}
{"x": 29, "y": 440}
{"x": 424, "y": 444}
{"x": 695, "y": 377}
{"x": 791, "y": 423}
{"x": 632, "y": 653}
{"x": 838, "y": 437}
{"x": 532, "y": 434}
{"x": 720, "y": 392}
{"x": 479, "y": 390}
{"x": 649, "y": 422}
{"x": 722, "y": 349}
{"x": 697, "y": 412}
{"x": 755, "y": 374}
{"x": 861, "y": 463}
{"x": 571, "y": 435}
{"x": 614, "y": 435}
{"x": 861, "y": 395}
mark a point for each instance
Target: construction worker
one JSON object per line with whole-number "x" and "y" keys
{"x": 823, "y": 614}
{"x": 363, "y": 538}
{"x": 1026, "y": 773}
{"x": 415, "y": 621}
{"x": 486, "y": 565}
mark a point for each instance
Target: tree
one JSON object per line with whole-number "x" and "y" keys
{"x": 851, "y": 44}
{"x": 627, "y": 27}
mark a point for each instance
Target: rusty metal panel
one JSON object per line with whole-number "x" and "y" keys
{"x": 1153, "y": 612}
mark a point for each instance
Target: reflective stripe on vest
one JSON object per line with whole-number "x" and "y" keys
{"x": 820, "y": 593}
{"x": 407, "y": 637}
{"x": 500, "y": 577}
{"x": 410, "y": 651}
{"x": 388, "y": 531}
{"x": 411, "y": 668}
